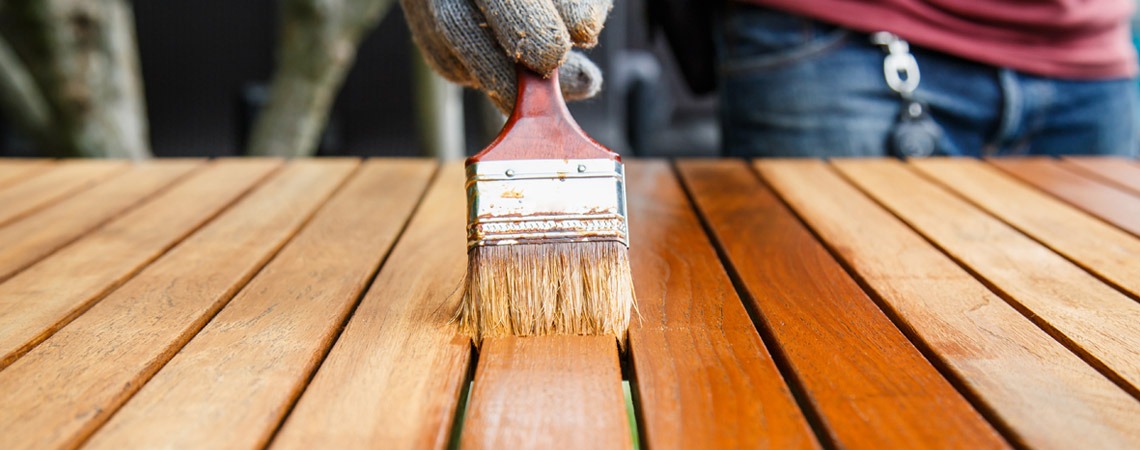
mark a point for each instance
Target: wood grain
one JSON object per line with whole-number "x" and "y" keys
{"x": 61, "y": 180}
{"x": 393, "y": 378}
{"x": 49, "y": 294}
{"x": 1121, "y": 172}
{"x": 13, "y": 171}
{"x": 870, "y": 387}
{"x": 1113, "y": 205}
{"x": 1108, "y": 252}
{"x": 232, "y": 384}
{"x": 1034, "y": 389}
{"x": 1093, "y": 319}
{"x": 548, "y": 392}
{"x": 700, "y": 372}
{"x": 60, "y": 392}
{"x": 27, "y": 241}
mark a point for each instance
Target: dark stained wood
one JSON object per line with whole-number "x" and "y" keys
{"x": 1122, "y": 172}
{"x": 540, "y": 127}
{"x": 1114, "y": 205}
{"x": 1029, "y": 385}
{"x": 869, "y": 385}
{"x": 232, "y": 384}
{"x": 393, "y": 379}
{"x": 61, "y": 391}
{"x": 549, "y": 392}
{"x": 700, "y": 372}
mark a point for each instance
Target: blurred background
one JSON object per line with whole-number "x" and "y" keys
{"x": 206, "y": 68}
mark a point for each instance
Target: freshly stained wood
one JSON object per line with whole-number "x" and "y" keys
{"x": 27, "y": 241}
{"x": 41, "y": 299}
{"x": 550, "y": 392}
{"x": 1095, "y": 320}
{"x": 1114, "y": 205}
{"x": 232, "y": 384}
{"x": 63, "y": 179}
{"x": 60, "y": 392}
{"x": 1107, "y": 251}
{"x": 870, "y": 387}
{"x": 1122, "y": 172}
{"x": 1034, "y": 389}
{"x": 393, "y": 378}
{"x": 701, "y": 373}
{"x": 13, "y": 171}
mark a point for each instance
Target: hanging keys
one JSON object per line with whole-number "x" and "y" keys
{"x": 915, "y": 134}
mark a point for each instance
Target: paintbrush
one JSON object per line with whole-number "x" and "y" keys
{"x": 548, "y": 245}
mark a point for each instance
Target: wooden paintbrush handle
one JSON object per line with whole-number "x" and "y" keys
{"x": 540, "y": 127}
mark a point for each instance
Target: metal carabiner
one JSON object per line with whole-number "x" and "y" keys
{"x": 899, "y": 66}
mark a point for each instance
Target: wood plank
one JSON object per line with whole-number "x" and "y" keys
{"x": 232, "y": 384}
{"x": 1122, "y": 172}
{"x": 870, "y": 387}
{"x": 394, "y": 376}
{"x": 60, "y": 392}
{"x": 1111, "y": 204}
{"x": 547, "y": 392}
{"x": 27, "y": 241}
{"x": 14, "y": 170}
{"x": 1030, "y": 386}
{"x": 700, "y": 372}
{"x": 1091, "y": 318}
{"x": 63, "y": 179}
{"x": 1108, "y": 252}
{"x": 48, "y": 295}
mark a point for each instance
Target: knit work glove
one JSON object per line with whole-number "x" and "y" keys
{"x": 477, "y": 42}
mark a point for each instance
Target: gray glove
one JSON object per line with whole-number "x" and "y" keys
{"x": 477, "y": 42}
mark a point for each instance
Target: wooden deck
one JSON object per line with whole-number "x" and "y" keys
{"x": 864, "y": 304}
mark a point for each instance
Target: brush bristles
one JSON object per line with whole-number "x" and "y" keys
{"x": 547, "y": 289}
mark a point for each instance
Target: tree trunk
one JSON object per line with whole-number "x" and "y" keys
{"x": 70, "y": 76}
{"x": 318, "y": 44}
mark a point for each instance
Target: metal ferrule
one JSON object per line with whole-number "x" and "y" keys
{"x": 539, "y": 201}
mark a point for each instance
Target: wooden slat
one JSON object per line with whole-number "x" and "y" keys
{"x": 41, "y": 299}
{"x": 869, "y": 385}
{"x": 1095, "y": 320}
{"x": 1113, "y": 205}
{"x": 62, "y": 180}
{"x": 393, "y": 378}
{"x": 13, "y": 171}
{"x": 701, "y": 373}
{"x": 61, "y": 391}
{"x": 1122, "y": 172}
{"x": 232, "y": 384}
{"x": 1107, "y": 251}
{"x": 27, "y": 241}
{"x": 1034, "y": 389}
{"x": 549, "y": 392}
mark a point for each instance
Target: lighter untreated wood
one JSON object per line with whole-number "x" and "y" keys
{"x": 700, "y": 371}
{"x": 1107, "y": 251}
{"x": 1094, "y": 319}
{"x": 232, "y": 384}
{"x": 1113, "y": 205}
{"x": 13, "y": 171}
{"x": 549, "y": 392}
{"x": 870, "y": 387}
{"x": 393, "y": 378}
{"x": 41, "y": 299}
{"x": 1037, "y": 391}
{"x": 27, "y": 241}
{"x": 1122, "y": 172}
{"x": 60, "y": 181}
{"x": 60, "y": 392}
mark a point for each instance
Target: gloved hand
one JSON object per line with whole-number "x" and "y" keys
{"x": 477, "y": 42}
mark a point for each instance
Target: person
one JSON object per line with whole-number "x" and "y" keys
{"x": 826, "y": 78}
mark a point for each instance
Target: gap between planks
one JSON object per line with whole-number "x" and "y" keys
{"x": 45, "y": 188}
{"x": 13, "y": 171}
{"x": 1121, "y": 172}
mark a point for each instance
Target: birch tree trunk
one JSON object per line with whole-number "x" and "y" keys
{"x": 318, "y": 43}
{"x": 70, "y": 78}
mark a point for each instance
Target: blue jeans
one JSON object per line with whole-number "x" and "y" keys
{"x": 792, "y": 86}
